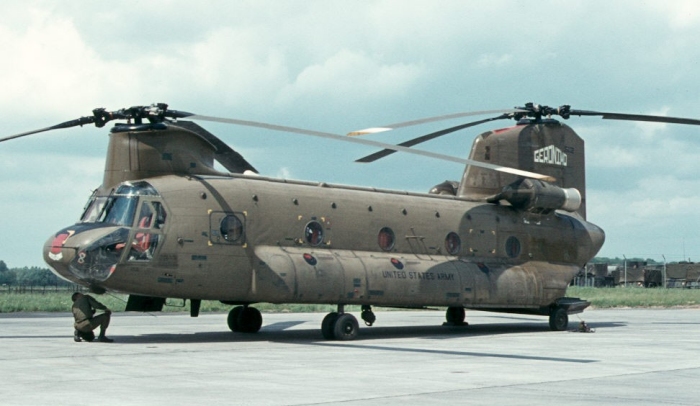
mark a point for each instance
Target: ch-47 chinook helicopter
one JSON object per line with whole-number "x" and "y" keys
{"x": 165, "y": 223}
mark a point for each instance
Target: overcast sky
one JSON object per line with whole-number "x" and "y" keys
{"x": 338, "y": 66}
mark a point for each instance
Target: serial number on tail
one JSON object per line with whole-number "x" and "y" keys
{"x": 550, "y": 155}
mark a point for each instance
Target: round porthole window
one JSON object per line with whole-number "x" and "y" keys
{"x": 231, "y": 228}
{"x": 313, "y": 233}
{"x": 453, "y": 243}
{"x": 512, "y": 247}
{"x": 385, "y": 239}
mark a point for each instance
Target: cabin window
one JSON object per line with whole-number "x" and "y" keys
{"x": 385, "y": 239}
{"x": 313, "y": 232}
{"x": 231, "y": 228}
{"x": 227, "y": 227}
{"x": 513, "y": 247}
{"x": 453, "y": 244}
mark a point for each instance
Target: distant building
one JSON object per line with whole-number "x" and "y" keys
{"x": 683, "y": 275}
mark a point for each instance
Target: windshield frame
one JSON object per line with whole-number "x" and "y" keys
{"x": 119, "y": 208}
{"x": 119, "y": 211}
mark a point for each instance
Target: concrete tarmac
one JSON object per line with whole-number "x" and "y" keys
{"x": 635, "y": 357}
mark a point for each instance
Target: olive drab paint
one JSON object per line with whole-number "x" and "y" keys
{"x": 243, "y": 239}
{"x": 165, "y": 223}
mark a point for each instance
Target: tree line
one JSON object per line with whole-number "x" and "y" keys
{"x": 29, "y": 276}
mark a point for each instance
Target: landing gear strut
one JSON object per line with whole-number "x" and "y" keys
{"x": 244, "y": 319}
{"x": 340, "y": 325}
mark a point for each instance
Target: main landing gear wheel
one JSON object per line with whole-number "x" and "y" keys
{"x": 346, "y": 327}
{"x": 328, "y": 326}
{"x": 558, "y": 319}
{"x": 244, "y": 319}
{"x": 455, "y": 316}
{"x": 340, "y": 325}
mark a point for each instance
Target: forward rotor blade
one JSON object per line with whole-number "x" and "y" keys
{"x": 382, "y": 145}
{"x": 72, "y": 123}
{"x": 154, "y": 113}
{"x": 636, "y": 117}
{"x": 390, "y": 127}
{"x": 415, "y": 141}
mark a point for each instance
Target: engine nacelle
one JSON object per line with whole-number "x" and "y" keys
{"x": 537, "y": 196}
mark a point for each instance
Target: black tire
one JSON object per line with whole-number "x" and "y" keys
{"x": 250, "y": 320}
{"x": 346, "y": 327}
{"x": 455, "y": 315}
{"x": 233, "y": 318}
{"x": 328, "y": 326}
{"x": 558, "y": 319}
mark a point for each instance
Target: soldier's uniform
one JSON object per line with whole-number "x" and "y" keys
{"x": 84, "y": 307}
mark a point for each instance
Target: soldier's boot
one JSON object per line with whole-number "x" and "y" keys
{"x": 76, "y": 336}
{"x": 103, "y": 338}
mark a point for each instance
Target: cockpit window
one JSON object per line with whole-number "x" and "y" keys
{"x": 149, "y": 211}
{"x": 145, "y": 216}
{"x": 150, "y": 219}
{"x": 136, "y": 188}
{"x": 93, "y": 209}
{"x": 119, "y": 210}
{"x": 120, "y": 207}
{"x": 160, "y": 215}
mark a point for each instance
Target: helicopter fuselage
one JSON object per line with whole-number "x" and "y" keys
{"x": 246, "y": 239}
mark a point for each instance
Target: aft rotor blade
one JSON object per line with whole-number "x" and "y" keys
{"x": 636, "y": 117}
{"x": 225, "y": 155}
{"x": 382, "y": 145}
{"x": 72, "y": 123}
{"x": 390, "y": 127}
{"x": 415, "y": 141}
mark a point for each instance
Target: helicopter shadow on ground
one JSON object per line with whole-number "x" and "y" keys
{"x": 282, "y": 333}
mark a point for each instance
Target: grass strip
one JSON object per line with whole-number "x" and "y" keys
{"x": 599, "y": 297}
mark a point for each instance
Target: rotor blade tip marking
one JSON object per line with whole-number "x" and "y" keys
{"x": 372, "y": 130}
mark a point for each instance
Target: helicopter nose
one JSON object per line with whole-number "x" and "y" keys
{"x": 58, "y": 255}
{"x": 85, "y": 256}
